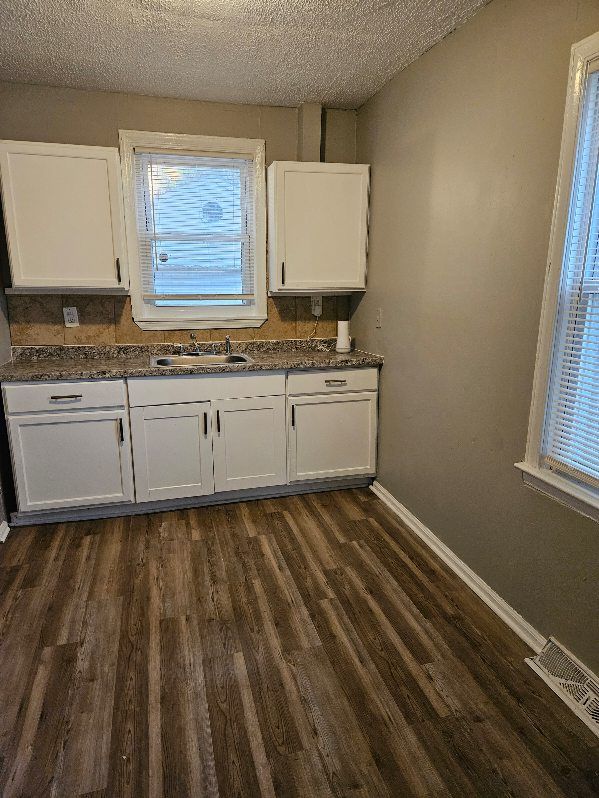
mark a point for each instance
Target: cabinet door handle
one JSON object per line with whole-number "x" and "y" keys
{"x": 121, "y": 430}
{"x": 283, "y": 273}
{"x": 205, "y": 424}
{"x": 335, "y": 383}
{"x": 66, "y": 396}
{"x": 293, "y": 416}
{"x": 218, "y": 421}
{"x": 118, "y": 270}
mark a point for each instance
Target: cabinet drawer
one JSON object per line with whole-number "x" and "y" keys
{"x": 30, "y": 397}
{"x": 332, "y": 381}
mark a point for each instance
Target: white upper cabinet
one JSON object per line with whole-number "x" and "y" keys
{"x": 318, "y": 227}
{"x": 63, "y": 214}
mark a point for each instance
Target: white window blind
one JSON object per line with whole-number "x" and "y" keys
{"x": 196, "y": 228}
{"x": 571, "y": 431}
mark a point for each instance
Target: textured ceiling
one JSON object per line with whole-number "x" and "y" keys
{"x": 276, "y": 52}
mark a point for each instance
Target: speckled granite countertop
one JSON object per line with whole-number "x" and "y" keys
{"x": 34, "y": 363}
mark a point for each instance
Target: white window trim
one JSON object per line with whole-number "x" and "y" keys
{"x": 567, "y": 492}
{"x": 195, "y": 318}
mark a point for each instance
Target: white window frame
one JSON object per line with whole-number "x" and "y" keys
{"x": 573, "y": 494}
{"x": 149, "y": 317}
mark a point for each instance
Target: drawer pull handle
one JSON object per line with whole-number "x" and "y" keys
{"x": 71, "y": 396}
{"x": 118, "y": 270}
{"x": 218, "y": 421}
{"x": 293, "y": 416}
{"x": 335, "y": 383}
{"x": 121, "y": 431}
{"x": 205, "y": 424}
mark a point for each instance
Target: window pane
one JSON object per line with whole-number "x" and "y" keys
{"x": 183, "y": 267}
{"x": 193, "y": 199}
{"x": 192, "y": 261}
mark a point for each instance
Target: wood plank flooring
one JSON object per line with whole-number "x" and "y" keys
{"x": 303, "y": 646}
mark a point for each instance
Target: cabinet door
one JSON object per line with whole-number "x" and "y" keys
{"x": 332, "y": 435}
{"x": 64, "y": 218}
{"x": 172, "y": 451}
{"x": 320, "y": 227}
{"x": 249, "y": 443}
{"x": 71, "y": 459}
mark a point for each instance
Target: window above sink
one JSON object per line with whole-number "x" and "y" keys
{"x": 196, "y": 230}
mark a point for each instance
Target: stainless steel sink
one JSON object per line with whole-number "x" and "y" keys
{"x": 198, "y": 359}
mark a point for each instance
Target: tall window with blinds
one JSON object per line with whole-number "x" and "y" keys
{"x": 570, "y": 444}
{"x": 197, "y": 209}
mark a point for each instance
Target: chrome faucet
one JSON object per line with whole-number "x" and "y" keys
{"x": 227, "y": 344}
{"x": 195, "y": 343}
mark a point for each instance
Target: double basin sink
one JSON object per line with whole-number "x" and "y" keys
{"x": 198, "y": 359}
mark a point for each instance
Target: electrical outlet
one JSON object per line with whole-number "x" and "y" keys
{"x": 379, "y": 318}
{"x": 316, "y": 306}
{"x": 71, "y": 317}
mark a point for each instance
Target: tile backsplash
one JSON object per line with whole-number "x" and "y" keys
{"x": 38, "y": 319}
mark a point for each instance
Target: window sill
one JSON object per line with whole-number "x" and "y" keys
{"x": 205, "y": 324}
{"x": 580, "y": 499}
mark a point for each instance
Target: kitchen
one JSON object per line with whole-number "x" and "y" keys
{"x": 268, "y": 329}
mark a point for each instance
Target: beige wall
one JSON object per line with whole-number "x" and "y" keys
{"x": 464, "y": 147}
{"x": 41, "y": 113}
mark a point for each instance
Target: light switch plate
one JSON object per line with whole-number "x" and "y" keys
{"x": 379, "y": 318}
{"x": 71, "y": 317}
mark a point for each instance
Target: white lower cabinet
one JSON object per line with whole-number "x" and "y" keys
{"x": 71, "y": 459}
{"x": 249, "y": 443}
{"x": 332, "y": 435}
{"x": 190, "y": 435}
{"x": 172, "y": 451}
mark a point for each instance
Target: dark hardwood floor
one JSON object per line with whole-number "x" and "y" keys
{"x": 303, "y": 646}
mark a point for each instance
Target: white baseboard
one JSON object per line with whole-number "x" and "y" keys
{"x": 508, "y": 614}
{"x": 4, "y": 530}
